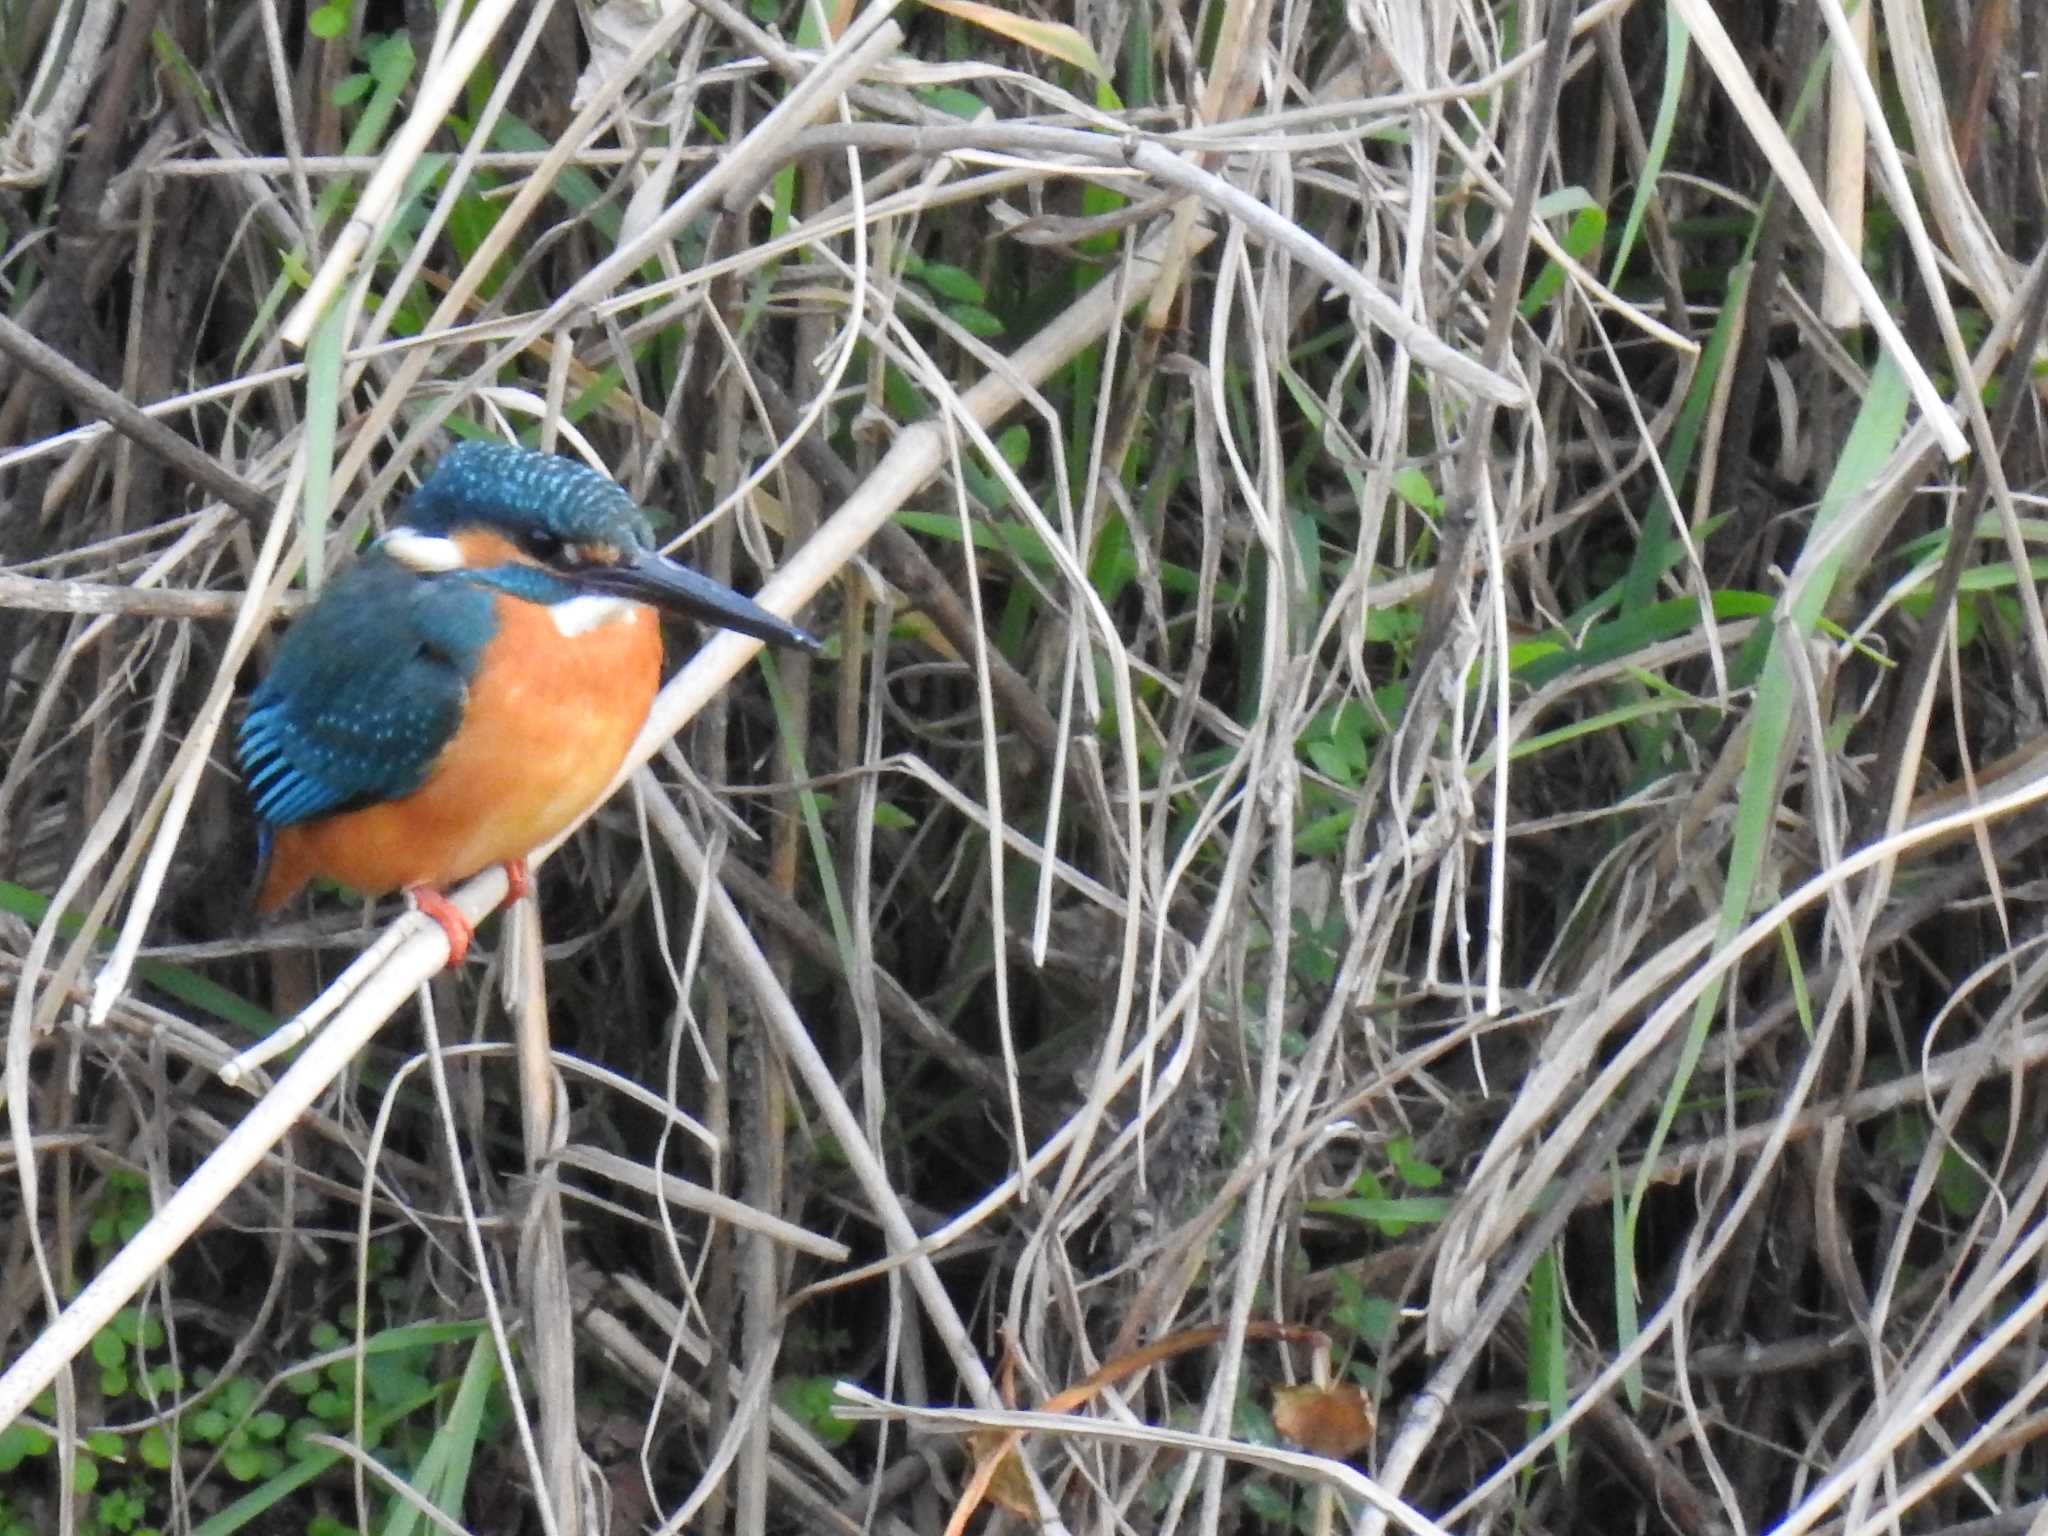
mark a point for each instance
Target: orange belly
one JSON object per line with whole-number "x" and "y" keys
{"x": 546, "y": 724}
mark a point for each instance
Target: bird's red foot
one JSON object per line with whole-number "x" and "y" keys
{"x": 518, "y": 883}
{"x": 443, "y": 911}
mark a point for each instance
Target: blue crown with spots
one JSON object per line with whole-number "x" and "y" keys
{"x": 501, "y": 485}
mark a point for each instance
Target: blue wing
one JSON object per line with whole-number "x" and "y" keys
{"x": 366, "y": 689}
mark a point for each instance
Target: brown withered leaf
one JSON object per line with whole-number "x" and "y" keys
{"x": 999, "y": 1472}
{"x": 1000, "y": 1476}
{"x": 1333, "y": 1421}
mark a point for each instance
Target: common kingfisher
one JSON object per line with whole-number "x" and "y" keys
{"x": 466, "y": 689}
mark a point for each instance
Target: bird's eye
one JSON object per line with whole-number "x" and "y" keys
{"x": 541, "y": 544}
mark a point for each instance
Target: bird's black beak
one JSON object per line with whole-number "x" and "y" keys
{"x": 674, "y": 588}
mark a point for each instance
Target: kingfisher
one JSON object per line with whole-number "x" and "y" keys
{"x": 465, "y": 690}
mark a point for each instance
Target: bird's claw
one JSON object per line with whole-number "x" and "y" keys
{"x": 424, "y": 898}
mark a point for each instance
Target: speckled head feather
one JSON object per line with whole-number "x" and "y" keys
{"x": 503, "y": 486}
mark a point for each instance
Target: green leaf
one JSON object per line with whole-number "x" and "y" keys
{"x": 1414, "y": 487}
{"x": 1960, "y": 1185}
{"x": 389, "y": 1379}
{"x": 1572, "y": 199}
{"x": 1677, "y": 50}
{"x": 950, "y": 282}
{"x": 294, "y": 1475}
{"x": 1329, "y": 759}
{"x": 19, "y": 1441}
{"x": 1392, "y": 1216}
{"x": 809, "y": 1400}
{"x": 1393, "y": 626}
{"x": 390, "y": 61}
{"x": 108, "y": 1350}
{"x": 118, "y": 1511}
{"x": 1014, "y": 444}
{"x": 1412, "y": 1170}
{"x": 975, "y": 320}
{"x": 1372, "y": 1318}
{"x": 154, "y": 1447}
{"x": 1269, "y": 1503}
{"x": 954, "y": 102}
{"x": 1580, "y": 241}
{"x": 1547, "y": 1363}
{"x": 442, "y": 1473}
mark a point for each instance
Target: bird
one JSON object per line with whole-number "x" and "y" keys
{"x": 467, "y": 688}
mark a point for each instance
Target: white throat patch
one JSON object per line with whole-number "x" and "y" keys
{"x": 422, "y": 551}
{"x": 592, "y": 610}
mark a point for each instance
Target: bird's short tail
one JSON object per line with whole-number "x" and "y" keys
{"x": 277, "y": 877}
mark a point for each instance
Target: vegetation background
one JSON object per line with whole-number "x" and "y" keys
{"x": 1410, "y": 896}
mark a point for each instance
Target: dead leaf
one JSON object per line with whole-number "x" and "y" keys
{"x": 1002, "y": 1478}
{"x": 1053, "y": 38}
{"x": 995, "y": 1451}
{"x": 1333, "y": 1421}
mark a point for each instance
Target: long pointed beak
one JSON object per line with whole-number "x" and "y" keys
{"x": 672, "y": 586}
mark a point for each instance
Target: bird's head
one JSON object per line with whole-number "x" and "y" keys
{"x": 549, "y": 530}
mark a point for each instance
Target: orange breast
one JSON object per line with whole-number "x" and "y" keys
{"x": 547, "y": 722}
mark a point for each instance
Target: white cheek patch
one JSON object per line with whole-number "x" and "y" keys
{"x": 580, "y": 615}
{"x": 422, "y": 551}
